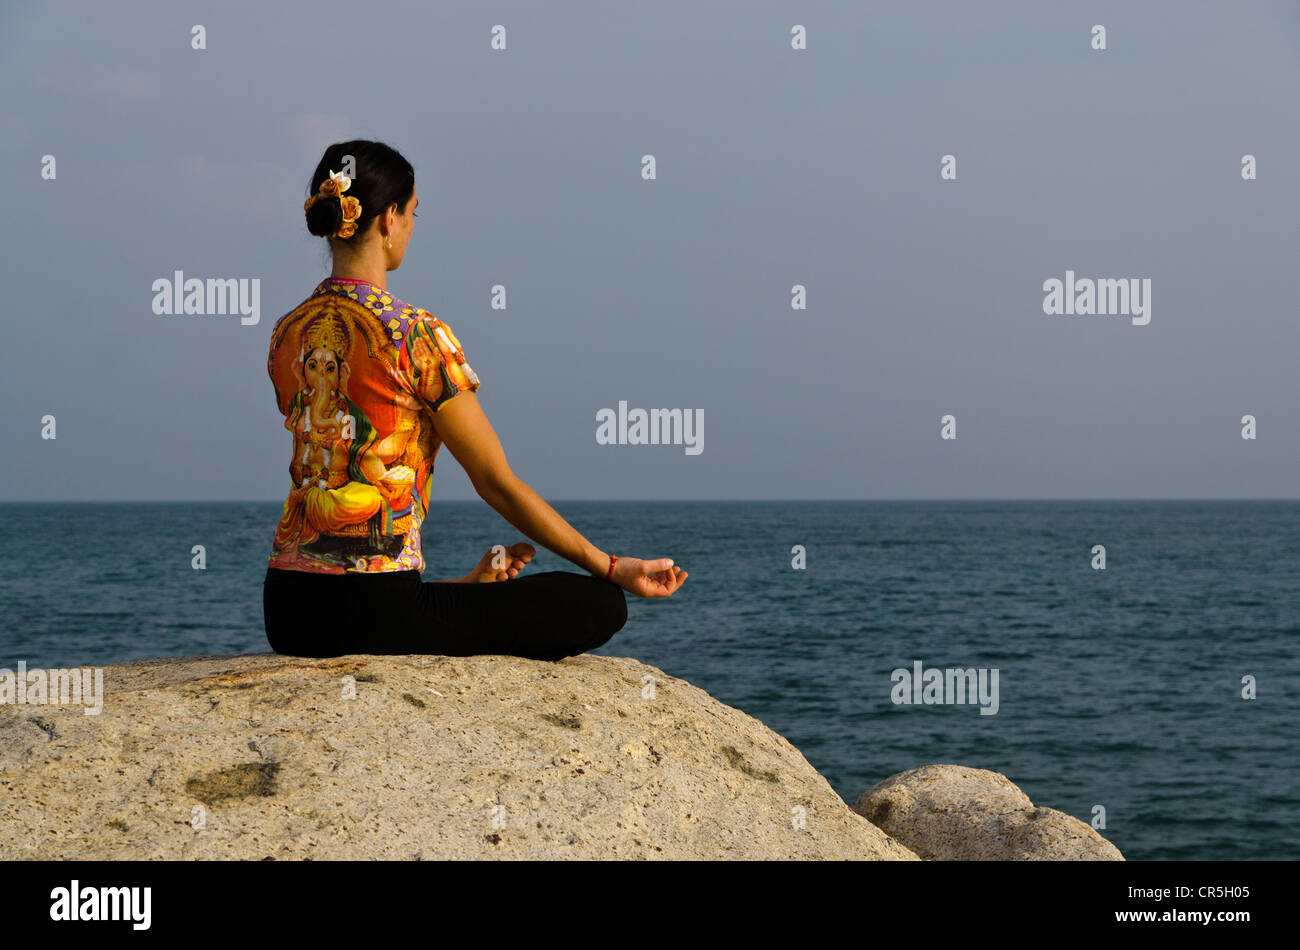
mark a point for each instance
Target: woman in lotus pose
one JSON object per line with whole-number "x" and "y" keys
{"x": 370, "y": 388}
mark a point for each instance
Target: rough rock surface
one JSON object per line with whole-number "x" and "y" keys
{"x": 263, "y": 756}
{"x": 955, "y": 813}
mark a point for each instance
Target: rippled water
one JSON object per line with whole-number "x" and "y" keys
{"x": 1119, "y": 688}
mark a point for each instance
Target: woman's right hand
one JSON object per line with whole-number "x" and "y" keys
{"x": 465, "y": 430}
{"x": 657, "y": 578}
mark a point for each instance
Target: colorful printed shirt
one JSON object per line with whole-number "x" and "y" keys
{"x": 357, "y": 376}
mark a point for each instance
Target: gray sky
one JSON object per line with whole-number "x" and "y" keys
{"x": 775, "y": 167}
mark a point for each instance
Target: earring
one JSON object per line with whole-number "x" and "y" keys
{"x": 390, "y": 243}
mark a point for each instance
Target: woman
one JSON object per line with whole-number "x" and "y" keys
{"x": 371, "y": 388}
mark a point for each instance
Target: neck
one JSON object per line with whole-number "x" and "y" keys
{"x": 367, "y": 263}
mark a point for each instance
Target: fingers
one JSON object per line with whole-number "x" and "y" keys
{"x": 663, "y": 583}
{"x": 657, "y": 566}
{"x": 420, "y": 349}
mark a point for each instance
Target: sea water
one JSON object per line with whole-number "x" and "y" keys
{"x": 1121, "y": 692}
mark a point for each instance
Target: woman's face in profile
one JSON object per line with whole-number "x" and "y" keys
{"x": 403, "y": 224}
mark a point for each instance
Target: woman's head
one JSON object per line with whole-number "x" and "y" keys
{"x": 384, "y": 182}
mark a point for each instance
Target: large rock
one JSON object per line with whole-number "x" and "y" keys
{"x": 435, "y": 757}
{"x": 955, "y": 813}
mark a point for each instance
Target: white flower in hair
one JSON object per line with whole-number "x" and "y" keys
{"x": 344, "y": 181}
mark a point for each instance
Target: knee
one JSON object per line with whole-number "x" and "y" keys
{"x": 609, "y": 613}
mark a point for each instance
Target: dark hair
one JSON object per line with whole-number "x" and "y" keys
{"x": 380, "y": 177}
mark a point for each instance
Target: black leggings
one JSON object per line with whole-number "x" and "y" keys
{"x": 540, "y": 616}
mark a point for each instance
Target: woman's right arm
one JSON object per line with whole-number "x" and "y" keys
{"x": 465, "y": 430}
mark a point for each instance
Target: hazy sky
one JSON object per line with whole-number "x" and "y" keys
{"x": 775, "y": 167}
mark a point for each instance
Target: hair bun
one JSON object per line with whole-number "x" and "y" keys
{"x": 325, "y": 216}
{"x": 371, "y": 177}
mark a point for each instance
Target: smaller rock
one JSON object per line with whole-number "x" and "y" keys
{"x": 955, "y": 813}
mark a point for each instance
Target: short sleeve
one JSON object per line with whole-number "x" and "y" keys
{"x": 433, "y": 362}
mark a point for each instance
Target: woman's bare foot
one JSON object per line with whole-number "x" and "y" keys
{"x": 501, "y": 563}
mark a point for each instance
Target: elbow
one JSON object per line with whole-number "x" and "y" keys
{"x": 496, "y": 488}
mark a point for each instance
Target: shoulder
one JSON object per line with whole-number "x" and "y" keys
{"x": 432, "y": 346}
{"x": 426, "y": 324}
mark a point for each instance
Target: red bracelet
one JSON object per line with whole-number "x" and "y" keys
{"x": 612, "y": 559}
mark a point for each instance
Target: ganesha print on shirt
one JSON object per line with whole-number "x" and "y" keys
{"x": 354, "y": 393}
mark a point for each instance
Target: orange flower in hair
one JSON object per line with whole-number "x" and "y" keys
{"x": 333, "y": 187}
